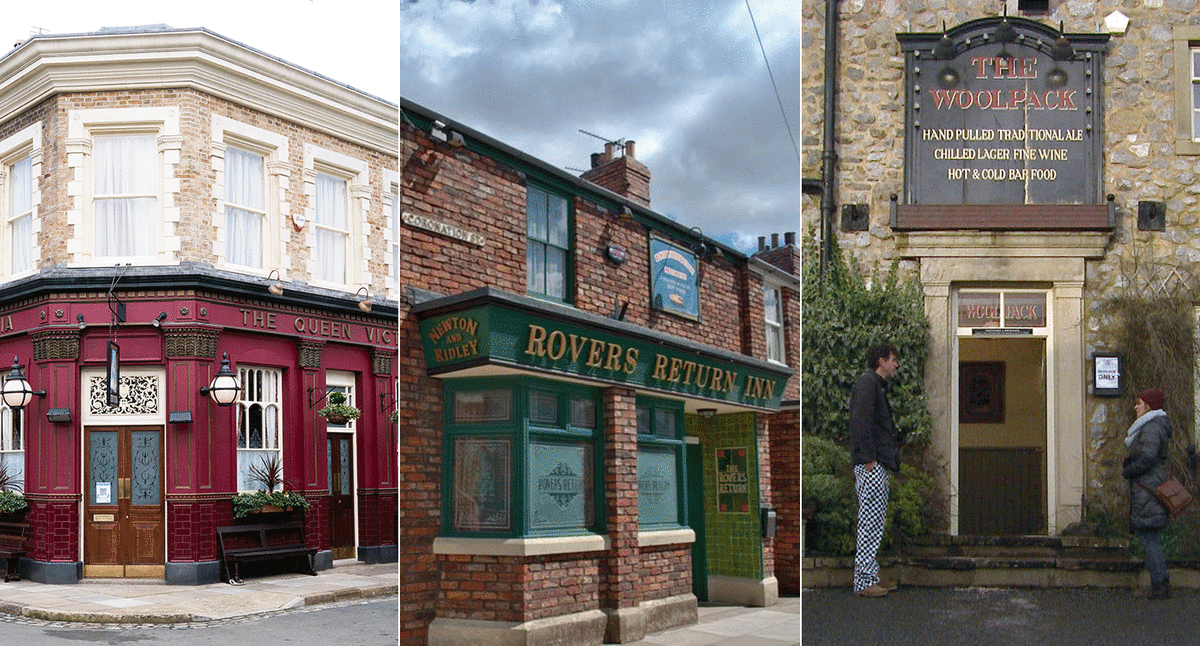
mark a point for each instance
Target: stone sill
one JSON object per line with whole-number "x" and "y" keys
{"x": 666, "y": 537}
{"x": 521, "y": 546}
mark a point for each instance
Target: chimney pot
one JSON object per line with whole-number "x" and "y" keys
{"x": 774, "y": 240}
{"x": 762, "y": 243}
{"x": 597, "y": 159}
{"x": 608, "y": 152}
{"x": 789, "y": 238}
{"x": 629, "y": 149}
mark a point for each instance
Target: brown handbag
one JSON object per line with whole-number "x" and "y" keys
{"x": 1172, "y": 494}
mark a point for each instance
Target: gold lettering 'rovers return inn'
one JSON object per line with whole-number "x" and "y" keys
{"x": 599, "y": 354}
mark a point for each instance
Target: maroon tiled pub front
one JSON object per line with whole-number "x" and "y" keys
{"x": 60, "y": 338}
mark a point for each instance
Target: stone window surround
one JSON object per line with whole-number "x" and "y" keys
{"x": 391, "y": 197}
{"x": 1183, "y": 39}
{"x": 26, "y": 142}
{"x": 358, "y": 207}
{"x": 274, "y": 148}
{"x": 540, "y": 546}
{"x": 82, "y": 126}
{"x": 951, "y": 259}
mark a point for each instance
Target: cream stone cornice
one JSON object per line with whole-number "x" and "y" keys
{"x": 198, "y": 59}
{"x": 1009, "y": 244}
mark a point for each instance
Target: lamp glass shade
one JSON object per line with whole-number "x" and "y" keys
{"x": 224, "y": 390}
{"x": 16, "y": 392}
{"x": 224, "y": 387}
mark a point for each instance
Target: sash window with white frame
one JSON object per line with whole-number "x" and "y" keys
{"x": 333, "y": 231}
{"x": 125, "y": 195}
{"x": 260, "y": 423}
{"x": 773, "y": 319}
{"x": 1195, "y": 56}
{"x": 12, "y": 444}
{"x": 20, "y": 215}
{"x": 245, "y": 207}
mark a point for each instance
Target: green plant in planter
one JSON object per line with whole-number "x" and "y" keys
{"x": 337, "y": 411}
{"x": 268, "y": 473}
{"x": 245, "y": 504}
{"x": 11, "y": 500}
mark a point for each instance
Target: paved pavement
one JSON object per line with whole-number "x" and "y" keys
{"x": 149, "y": 602}
{"x": 778, "y": 625}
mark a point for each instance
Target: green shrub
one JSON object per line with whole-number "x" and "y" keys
{"x": 828, "y": 483}
{"x": 840, "y": 325}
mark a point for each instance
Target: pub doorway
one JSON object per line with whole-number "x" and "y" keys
{"x": 1002, "y": 419}
{"x": 341, "y": 520}
{"x": 124, "y": 531}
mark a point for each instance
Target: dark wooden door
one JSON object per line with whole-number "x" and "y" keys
{"x": 341, "y": 488}
{"x": 123, "y": 529}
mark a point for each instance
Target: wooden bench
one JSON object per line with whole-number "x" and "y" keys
{"x": 12, "y": 548}
{"x": 242, "y": 543}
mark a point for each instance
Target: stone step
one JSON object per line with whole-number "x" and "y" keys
{"x": 1004, "y": 561}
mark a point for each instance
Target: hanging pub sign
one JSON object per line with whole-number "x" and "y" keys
{"x": 112, "y": 381}
{"x": 1003, "y": 111}
{"x": 675, "y": 285}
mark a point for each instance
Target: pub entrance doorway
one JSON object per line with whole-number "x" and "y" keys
{"x": 1002, "y": 417}
{"x": 124, "y": 534}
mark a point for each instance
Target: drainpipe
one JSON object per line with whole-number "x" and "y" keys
{"x": 828, "y": 157}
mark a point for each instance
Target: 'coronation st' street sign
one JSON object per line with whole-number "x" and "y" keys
{"x": 1002, "y": 122}
{"x": 496, "y": 335}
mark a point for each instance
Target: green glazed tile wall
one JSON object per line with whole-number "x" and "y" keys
{"x": 734, "y": 540}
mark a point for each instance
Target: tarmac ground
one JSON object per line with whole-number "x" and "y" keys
{"x": 987, "y": 616}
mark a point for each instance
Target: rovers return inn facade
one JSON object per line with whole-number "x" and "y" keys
{"x": 172, "y": 198}
{"x": 1027, "y": 176}
{"x": 590, "y": 394}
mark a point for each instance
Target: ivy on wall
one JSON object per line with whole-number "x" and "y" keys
{"x": 840, "y": 325}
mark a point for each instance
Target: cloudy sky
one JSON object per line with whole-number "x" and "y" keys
{"x": 685, "y": 79}
{"x": 355, "y": 42}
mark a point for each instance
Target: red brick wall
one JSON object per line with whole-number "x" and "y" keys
{"x": 621, "y": 585}
{"x": 420, "y": 422}
{"x": 785, "y": 479}
{"x": 487, "y": 588}
{"x": 562, "y": 585}
{"x": 666, "y": 571}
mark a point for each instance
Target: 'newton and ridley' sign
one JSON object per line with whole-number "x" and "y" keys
{"x": 496, "y": 335}
{"x": 1001, "y": 123}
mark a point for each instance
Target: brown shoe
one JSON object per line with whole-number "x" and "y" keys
{"x": 873, "y": 591}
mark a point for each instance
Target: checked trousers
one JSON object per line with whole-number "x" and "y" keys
{"x": 872, "y": 489}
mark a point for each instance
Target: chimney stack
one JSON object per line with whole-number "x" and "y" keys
{"x": 623, "y": 175}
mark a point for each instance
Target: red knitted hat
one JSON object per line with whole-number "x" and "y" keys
{"x": 1153, "y": 397}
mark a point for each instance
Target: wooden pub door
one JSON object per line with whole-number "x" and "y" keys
{"x": 341, "y": 489}
{"x": 124, "y": 534}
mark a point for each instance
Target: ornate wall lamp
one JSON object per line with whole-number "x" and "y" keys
{"x": 17, "y": 392}
{"x": 224, "y": 387}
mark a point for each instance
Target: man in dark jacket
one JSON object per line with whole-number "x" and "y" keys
{"x": 872, "y": 448}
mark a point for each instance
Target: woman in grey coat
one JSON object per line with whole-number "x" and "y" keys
{"x": 1148, "y": 440}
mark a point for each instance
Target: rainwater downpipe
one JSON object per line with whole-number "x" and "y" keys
{"x": 828, "y": 156}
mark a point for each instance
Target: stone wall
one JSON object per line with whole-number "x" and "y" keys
{"x": 1141, "y": 158}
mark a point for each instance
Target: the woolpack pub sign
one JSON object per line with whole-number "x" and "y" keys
{"x": 1003, "y": 111}
{"x": 517, "y": 331}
